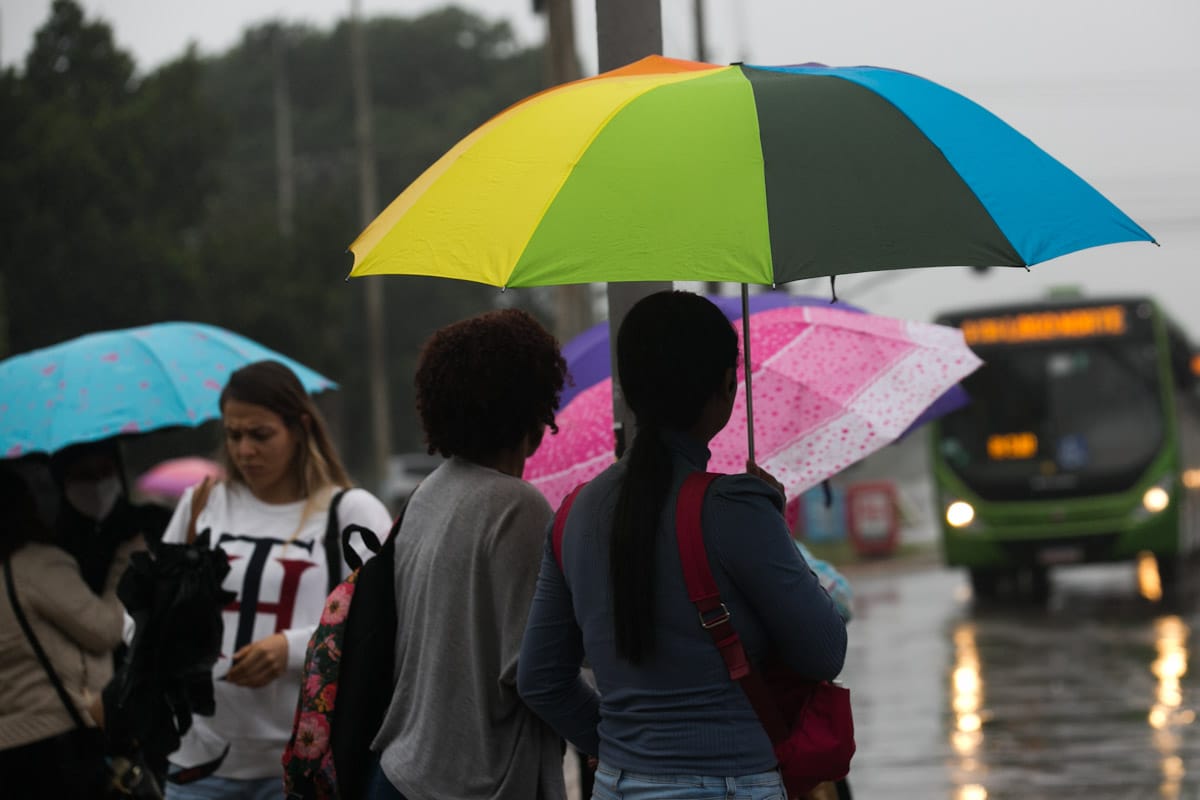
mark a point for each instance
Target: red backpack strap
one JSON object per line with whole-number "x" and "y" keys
{"x": 697, "y": 573}
{"x": 560, "y": 522}
{"x": 706, "y": 596}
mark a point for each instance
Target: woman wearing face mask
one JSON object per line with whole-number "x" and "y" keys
{"x": 270, "y": 516}
{"x": 95, "y": 515}
{"x": 50, "y": 747}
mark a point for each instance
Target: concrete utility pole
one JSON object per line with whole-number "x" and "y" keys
{"x": 626, "y": 30}
{"x": 285, "y": 175}
{"x": 698, "y": 17}
{"x": 381, "y": 427}
{"x": 572, "y": 304}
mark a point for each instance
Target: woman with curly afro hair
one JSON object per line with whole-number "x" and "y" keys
{"x": 467, "y": 558}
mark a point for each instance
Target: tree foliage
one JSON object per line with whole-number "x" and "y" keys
{"x": 109, "y": 180}
{"x": 138, "y": 198}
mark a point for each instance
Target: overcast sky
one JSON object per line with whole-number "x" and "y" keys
{"x": 1109, "y": 87}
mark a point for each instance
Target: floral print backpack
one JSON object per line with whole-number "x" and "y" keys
{"x": 347, "y": 670}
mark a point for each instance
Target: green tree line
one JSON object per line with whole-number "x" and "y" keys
{"x": 130, "y": 198}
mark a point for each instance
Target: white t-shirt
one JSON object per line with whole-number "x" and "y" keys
{"x": 287, "y": 572}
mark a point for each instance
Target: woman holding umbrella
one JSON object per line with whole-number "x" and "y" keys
{"x": 270, "y": 515}
{"x": 667, "y": 716}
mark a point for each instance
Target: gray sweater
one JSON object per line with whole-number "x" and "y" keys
{"x": 467, "y": 558}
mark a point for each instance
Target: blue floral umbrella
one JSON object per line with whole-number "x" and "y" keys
{"x": 123, "y": 382}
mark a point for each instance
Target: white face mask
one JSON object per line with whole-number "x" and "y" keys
{"x": 94, "y": 499}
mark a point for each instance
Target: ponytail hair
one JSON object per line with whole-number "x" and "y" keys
{"x": 673, "y": 351}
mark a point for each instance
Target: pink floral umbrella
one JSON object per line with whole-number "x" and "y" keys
{"x": 169, "y": 479}
{"x": 830, "y": 388}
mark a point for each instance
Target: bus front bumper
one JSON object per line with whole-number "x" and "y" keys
{"x": 1003, "y": 543}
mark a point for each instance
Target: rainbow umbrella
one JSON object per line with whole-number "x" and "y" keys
{"x": 669, "y": 170}
{"x": 834, "y": 385}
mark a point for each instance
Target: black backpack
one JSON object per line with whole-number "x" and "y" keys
{"x": 347, "y": 678}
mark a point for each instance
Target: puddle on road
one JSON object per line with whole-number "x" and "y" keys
{"x": 1088, "y": 697}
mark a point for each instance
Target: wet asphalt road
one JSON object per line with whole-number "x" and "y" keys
{"x": 1088, "y": 697}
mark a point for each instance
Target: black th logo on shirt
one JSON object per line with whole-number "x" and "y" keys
{"x": 247, "y": 604}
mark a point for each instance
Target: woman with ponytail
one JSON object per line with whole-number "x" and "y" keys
{"x": 665, "y": 720}
{"x": 270, "y": 515}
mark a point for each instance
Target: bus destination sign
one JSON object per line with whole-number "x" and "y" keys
{"x": 1046, "y": 326}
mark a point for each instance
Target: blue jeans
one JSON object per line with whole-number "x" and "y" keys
{"x": 616, "y": 784}
{"x": 217, "y": 788}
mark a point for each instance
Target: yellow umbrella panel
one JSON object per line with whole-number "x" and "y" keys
{"x": 578, "y": 175}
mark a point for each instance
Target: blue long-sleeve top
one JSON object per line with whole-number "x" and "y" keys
{"x": 678, "y": 712}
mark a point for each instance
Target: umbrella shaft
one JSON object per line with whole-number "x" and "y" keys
{"x": 746, "y": 363}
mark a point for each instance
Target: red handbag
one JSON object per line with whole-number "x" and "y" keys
{"x": 809, "y": 722}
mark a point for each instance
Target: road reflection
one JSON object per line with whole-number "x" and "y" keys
{"x": 1088, "y": 697}
{"x": 967, "y": 688}
{"x": 1166, "y": 717}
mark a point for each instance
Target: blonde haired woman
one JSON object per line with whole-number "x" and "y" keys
{"x": 270, "y": 516}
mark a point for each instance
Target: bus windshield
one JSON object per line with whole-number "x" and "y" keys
{"x": 1057, "y": 419}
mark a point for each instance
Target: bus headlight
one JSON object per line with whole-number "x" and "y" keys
{"x": 1156, "y": 499}
{"x": 960, "y": 513}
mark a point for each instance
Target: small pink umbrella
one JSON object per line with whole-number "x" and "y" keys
{"x": 169, "y": 479}
{"x": 830, "y": 388}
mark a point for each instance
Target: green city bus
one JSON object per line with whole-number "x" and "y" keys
{"x": 1081, "y": 443}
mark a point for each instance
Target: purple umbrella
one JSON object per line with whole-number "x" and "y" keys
{"x": 589, "y": 360}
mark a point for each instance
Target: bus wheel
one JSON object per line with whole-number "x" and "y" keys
{"x": 1039, "y": 584}
{"x": 985, "y": 583}
{"x": 1168, "y": 575}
